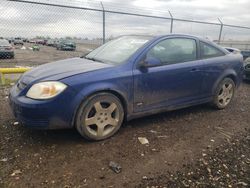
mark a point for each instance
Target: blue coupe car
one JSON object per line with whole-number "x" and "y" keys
{"x": 129, "y": 77}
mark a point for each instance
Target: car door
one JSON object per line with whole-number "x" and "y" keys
{"x": 176, "y": 81}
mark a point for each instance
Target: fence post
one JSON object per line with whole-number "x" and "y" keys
{"x": 172, "y": 22}
{"x": 2, "y": 78}
{"x": 221, "y": 27}
{"x": 103, "y": 24}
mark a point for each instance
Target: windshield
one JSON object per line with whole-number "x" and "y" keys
{"x": 118, "y": 50}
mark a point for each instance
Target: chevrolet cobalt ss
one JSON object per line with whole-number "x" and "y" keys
{"x": 129, "y": 77}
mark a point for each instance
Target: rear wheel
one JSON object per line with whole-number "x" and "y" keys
{"x": 224, "y": 93}
{"x": 100, "y": 116}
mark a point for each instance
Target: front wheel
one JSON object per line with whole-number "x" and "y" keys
{"x": 100, "y": 116}
{"x": 224, "y": 93}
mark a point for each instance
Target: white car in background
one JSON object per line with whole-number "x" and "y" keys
{"x": 233, "y": 50}
{"x": 6, "y": 50}
{"x": 18, "y": 41}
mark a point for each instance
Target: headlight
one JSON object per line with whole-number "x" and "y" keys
{"x": 46, "y": 90}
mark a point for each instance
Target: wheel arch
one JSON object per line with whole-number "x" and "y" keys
{"x": 233, "y": 77}
{"x": 230, "y": 74}
{"x": 111, "y": 91}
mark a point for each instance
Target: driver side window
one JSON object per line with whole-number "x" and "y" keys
{"x": 176, "y": 50}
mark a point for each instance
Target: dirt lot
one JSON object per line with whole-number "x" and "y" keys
{"x": 177, "y": 139}
{"x": 180, "y": 142}
{"x": 27, "y": 57}
{"x": 226, "y": 165}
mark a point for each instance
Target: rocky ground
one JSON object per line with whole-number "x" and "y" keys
{"x": 226, "y": 165}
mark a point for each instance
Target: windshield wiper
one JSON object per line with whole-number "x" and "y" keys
{"x": 93, "y": 59}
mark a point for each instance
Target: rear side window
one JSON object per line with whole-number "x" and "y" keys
{"x": 175, "y": 50}
{"x": 208, "y": 51}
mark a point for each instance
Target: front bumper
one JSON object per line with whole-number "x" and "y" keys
{"x": 41, "y": 114}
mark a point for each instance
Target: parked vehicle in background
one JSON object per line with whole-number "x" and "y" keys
{"x": 6, "y": 50}
{"x": 50, "y": 43}
{"x": 25, "y": 40}
{"x": 36, "y": 47}
{"x": 66, "y": 45}
{"x": 56, "y": 42}
{"x": 41, "y": 41}
{"x": 18, "y": 41}
{"x": 233, "y": 50}
{"x": 126, "y": 78}
{"x": 10, "y": 40}
{"x": 32, "y": 41}
{"x": 247, "y": 68}
{"x": 245, "y": 53}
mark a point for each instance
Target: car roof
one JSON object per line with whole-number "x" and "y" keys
{"x": 202, "y": 39}
{"x": 185, "y": 35}
{"x": 176, "y": 35}
{"x": 170, "y": 35}
{"x": 4, "y": 41}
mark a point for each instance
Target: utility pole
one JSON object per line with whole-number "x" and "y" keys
{"x": 221, "y": 27}
{"x": 103, "y": 24}
{"x": 172, "y": 22}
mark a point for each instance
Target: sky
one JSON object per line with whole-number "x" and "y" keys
{"x": 27, "y": 20}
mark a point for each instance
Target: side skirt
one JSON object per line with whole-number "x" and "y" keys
{"x": 169, "y": 108}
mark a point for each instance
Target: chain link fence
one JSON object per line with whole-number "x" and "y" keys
{"x": 42, "y": 31}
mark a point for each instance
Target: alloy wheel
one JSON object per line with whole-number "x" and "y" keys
{"x": 102, "y": 118}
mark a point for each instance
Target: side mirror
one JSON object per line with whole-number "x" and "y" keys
{"x": 150, "y": 62}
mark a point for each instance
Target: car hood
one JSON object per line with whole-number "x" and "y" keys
{"x": 61, "y": 69}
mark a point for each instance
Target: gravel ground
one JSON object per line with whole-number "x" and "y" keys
{"x": 227, "y": 165}
{"x": 180, "y": 142}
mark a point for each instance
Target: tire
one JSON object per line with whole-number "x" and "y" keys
{"x": 100, "y": 116}
{"x": 224, "y": 93}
